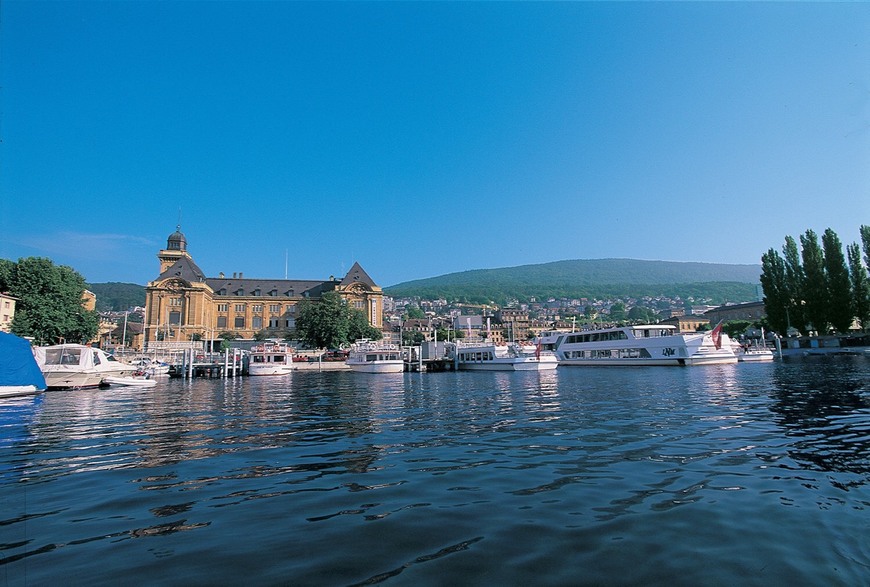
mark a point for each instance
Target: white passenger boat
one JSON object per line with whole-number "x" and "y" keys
{"x": 510, "y": 357}
{"x": 647, "y": 344}
{"x": 271, "y": 358}
{"x": 74, "y": 365}
{"x": 367, "y": 356}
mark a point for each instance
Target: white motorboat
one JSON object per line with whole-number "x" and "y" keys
{"x": 271, "y": 358}
{"x": 131, "y": 381}
{"x": 67, "y": 366}
{"x": 368, "y": 356}
{"x": 754, "y": 354}
{"x": 510, "y": 357}
{"x": 648, "y": 344}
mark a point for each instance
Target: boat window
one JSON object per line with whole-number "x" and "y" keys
{"x": 97, "y": 360}
{"x": 278, "y": 359}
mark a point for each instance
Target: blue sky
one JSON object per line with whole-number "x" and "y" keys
{"x": 427, "y": 138}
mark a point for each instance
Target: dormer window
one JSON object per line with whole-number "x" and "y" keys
{"x": 257, "y": 292}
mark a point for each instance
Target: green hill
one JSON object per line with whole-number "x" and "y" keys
{"x": 114, "y": 296}
{"x": 591, "y": 278}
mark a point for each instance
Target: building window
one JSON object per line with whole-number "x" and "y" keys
{"x": 257, "y": 308}
{"x": 174, "y": 301}
{"x": 175, "y": 318}
{"x": 240, "y": 307}
{"x": 291, "y": 309}
{"x": 273, "y": 322}
{"x": 222, "y": 322}
{"x": 240, "y": 322}
{"x": 223, "y": 307}
{"x": 257, "y": 322}
{"x": 274, "y": 308}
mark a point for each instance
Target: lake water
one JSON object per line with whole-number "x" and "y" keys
{"x": 722, "y": 475}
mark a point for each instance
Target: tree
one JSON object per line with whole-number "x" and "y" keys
{"x": 776, "y": 298}
{"x": 414, "y": 312}
{"x": 865, "y": 241}
{"x": 49, "y": 307}
{"x": 617, "y": 312}
{"x": 642, "y": 314}
{"x": 793, "y": 284}
{"x": 331, "y": 323}
{"x": 815, "y": 288}
{"x": 840, "y": 311}
{"x": 860, "y": 285}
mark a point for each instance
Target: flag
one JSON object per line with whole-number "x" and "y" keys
{"x": 717, "y": 335}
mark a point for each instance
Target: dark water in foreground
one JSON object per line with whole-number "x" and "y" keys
{"x": 732, "y": 475}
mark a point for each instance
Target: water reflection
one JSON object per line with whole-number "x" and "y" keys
{"x": 826, "y": 410}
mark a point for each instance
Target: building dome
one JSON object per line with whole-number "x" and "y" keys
{"x": 176, "y": 240}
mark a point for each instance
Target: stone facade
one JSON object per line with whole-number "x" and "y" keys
{"x": 183, "y": 306}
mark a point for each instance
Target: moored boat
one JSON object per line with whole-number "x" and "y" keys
{"x": 271, "y": 358}
{"x": 367, "y": 356}
{"x": 66, "y": 366}
{"x": 131, "y": 381}
{"x": 647, "y": 344}
{"x": 510, "y": 357}
{"x": 19, "y": 372}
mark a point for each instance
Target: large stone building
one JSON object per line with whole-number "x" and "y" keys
{"x": 183, "y": 306}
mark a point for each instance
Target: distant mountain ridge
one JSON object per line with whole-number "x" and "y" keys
{"x": 592, "y": 278}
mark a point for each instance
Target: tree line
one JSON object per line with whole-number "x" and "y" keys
{"x": 815, "y": 287}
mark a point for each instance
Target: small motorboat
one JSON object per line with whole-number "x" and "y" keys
{"x": 131, "y": 381}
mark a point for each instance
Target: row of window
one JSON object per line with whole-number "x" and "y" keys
{"x": 256, "y": 308}
{"x": 608, "y": 354}
{"x": 256, "y": 322}
{"x": 257, "y": 292}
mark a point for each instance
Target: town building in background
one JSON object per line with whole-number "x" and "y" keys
{"x": 7, "y": 311}
{"x": 184, "y": 308}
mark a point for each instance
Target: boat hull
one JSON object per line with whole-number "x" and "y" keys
{"x": 67, "y": 379}
{"x": 270, "y": 370}
{"x": 130, "y": 381}
{"x": 16, "y": 390}
{"x": 377, "y": 366}
{"x": 508, "y": 365}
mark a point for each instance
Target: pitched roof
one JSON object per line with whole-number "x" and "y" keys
{"x": 357, "y": 275}
{"x": 185, "y": 269}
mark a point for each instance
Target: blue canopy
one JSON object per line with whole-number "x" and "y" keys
{"x": 17, "y": 365}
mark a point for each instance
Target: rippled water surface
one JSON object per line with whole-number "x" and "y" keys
{"x": 741, "y": 474}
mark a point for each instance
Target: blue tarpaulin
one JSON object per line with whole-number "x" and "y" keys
{"x": 17, "y": 365}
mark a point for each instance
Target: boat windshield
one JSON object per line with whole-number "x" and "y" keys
{"x": 63, "y": 356}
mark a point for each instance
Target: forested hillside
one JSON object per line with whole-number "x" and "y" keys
{"x": 597, "y": 278}
{"x": 117, "y": 297}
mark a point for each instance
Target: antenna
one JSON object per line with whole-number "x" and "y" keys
{"x": 179, "y": 216}
{"x": 285, "y": 264}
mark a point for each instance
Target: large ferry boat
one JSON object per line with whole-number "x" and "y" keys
{"x": 510, "y": 357}
{"x": 368, "y": 356}
{"x": 270, "y": 358}
{"x": 648, "y": 344}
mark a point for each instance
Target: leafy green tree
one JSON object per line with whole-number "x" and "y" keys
{"x": 360, "y": 327}
{"x": 735, "y": 328}
{"x": 793, "y": 284}
{"x": 840, "y": 310}
{"x": 642, "y": 314}
{"x": 330, "y": 323}
{"x": 617, "y": 312}
{"x": 49, "y": 306}
{"x": 413, "y": 312}
{"x": 774, "y": 285}
{"x": 815, "y": 288}
{"x": 261, "y": 335}
{"x": 865, "y": 241}
{"x": 860, "y": 285}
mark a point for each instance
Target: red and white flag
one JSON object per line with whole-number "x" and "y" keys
{"x": 717, "y": 335}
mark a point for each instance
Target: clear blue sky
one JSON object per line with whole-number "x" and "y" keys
{"x": 427, "y": 138}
